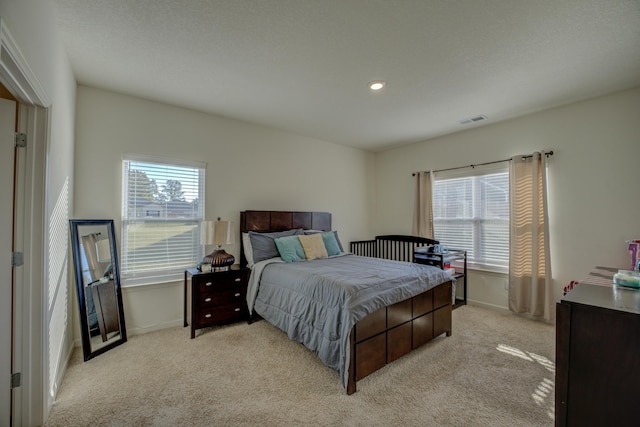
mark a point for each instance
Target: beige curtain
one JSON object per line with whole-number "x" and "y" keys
{"x": 530, "y": 283}
{"x": 423, "y": 211}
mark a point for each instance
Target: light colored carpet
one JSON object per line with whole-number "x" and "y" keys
{"x": 496, "y": 369}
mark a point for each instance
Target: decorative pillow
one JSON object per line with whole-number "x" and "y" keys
{"x": 335, "y": 234}
{"x": 313, "y": 246}
{"x": 263, "y": 244}
{"x": 290, "y": 249}
{"x": 330, "y": 243}
{"x": 248, "y": 250}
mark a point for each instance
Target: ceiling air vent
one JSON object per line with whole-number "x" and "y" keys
{"x": 472, "y": 120}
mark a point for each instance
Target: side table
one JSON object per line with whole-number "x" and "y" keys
{"x": 215, "y": 298}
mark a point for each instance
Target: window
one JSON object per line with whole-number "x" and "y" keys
{"x": 471, "y": 212}
{"x": 162, "y": 209}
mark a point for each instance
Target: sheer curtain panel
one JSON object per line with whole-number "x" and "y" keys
{"x": 423, "y": 210}
{"x": 530, "y": 282}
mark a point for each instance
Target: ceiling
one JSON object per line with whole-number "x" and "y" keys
{"x": 303, "y": 65}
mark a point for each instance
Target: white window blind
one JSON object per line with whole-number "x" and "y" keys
{"x": 162, "y": 209}
{"x": 471, "y": 212}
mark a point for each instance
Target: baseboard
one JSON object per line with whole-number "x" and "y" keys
{"x": 139, "y": 331}
{"x": 489, "y": 306}
{"x": 156, "y": 327}
{"x": 62, "y": 370}
{"x": 506, "y": 310}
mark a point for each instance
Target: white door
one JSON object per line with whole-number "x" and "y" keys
{"x": 7, "y": 132}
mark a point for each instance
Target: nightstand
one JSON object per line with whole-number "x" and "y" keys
{"x": 215, "y": 298}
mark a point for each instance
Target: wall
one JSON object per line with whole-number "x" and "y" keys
{"x": 33, "y": 27}
{"x": 248, "y": 167}
{"x": 594, "y": 177}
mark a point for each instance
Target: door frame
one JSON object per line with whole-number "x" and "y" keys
{"x": 31, "y": 402}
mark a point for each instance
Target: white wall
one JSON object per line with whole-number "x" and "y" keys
{"x": 248, "y": 167}
{"x": 592, "y": 174}
{"x": 594, "y": 180}
{"x": 33, "y": 27}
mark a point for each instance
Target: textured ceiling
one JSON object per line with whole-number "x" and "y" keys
{"x": 303, "y": 65}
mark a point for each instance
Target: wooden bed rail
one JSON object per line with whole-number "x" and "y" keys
{"x": 364, "y": 248}
{"x": 395, "y": 247}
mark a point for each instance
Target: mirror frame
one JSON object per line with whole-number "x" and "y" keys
{"x": 74, "y": 224}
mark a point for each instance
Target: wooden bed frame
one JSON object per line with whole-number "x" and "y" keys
{"x": 390, "y": 332}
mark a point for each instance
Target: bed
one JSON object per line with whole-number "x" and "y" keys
{"x": 357, "y": 313}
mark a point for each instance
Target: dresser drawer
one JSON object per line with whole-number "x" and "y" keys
{"x": 221, "y": 281}
{"x": 215, "y": 314}
{"x": 234, "y": 295}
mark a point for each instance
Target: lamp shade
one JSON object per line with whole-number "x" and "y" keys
{"x": 223, "y": 233}
{"x": 216, "y": 233}
{"x": 207, "y": 230}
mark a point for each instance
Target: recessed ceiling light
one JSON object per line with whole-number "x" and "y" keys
{"x": 377, "y": 85}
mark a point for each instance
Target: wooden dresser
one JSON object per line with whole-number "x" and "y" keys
{"x": 215, "y": 298}
{"x": 598, "y": 356}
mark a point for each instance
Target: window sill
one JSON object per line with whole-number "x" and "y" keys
{"x": 488, "y": 269}
{"x": 152, "y": 281}
{"x": 481, "y": 267}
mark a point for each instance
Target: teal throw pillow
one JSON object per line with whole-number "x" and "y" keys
{"x": 331, "y": 243}
{"x": 290, "y": 249}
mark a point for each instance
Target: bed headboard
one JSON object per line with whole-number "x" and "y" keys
{"x": 268, "y": 221}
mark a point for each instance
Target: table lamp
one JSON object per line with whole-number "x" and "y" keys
{"x": 217, "y": 233}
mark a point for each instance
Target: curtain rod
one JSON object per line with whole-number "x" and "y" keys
{"x": 546, "y": 153}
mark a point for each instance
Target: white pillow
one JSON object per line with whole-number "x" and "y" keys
{"x": 248, "y": 250}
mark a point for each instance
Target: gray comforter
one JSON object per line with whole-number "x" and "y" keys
{"x": 318, "y": 302}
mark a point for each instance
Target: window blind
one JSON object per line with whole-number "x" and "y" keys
{"x": 472, "y": 213}
{"x": 162, "y": 209}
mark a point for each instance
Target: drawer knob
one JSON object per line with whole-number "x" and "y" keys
{"x": 237, "y": 309}
{"x": 207, "y": 300}
{"x": 237, "y": 294}
{"x": 207, "y": 315}
{"x": 237, "y": 279}
{"x": 208, "y": 284}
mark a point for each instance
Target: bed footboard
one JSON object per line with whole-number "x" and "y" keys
{"x": 391, "y": 332}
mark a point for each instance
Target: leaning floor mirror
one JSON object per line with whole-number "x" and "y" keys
{"x": 98, "y": 283}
